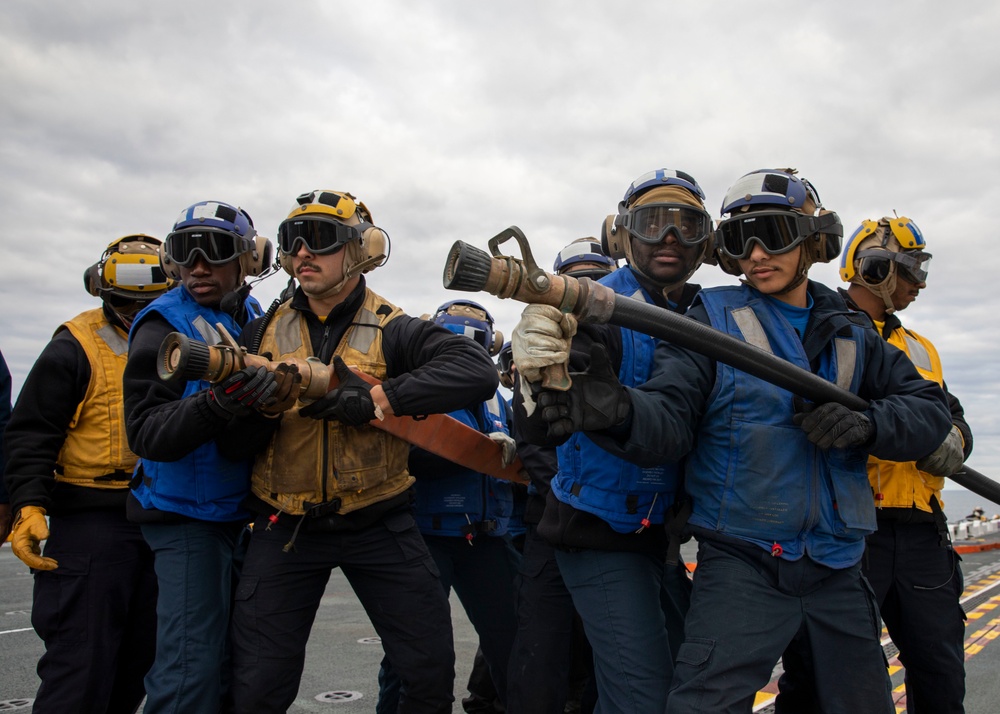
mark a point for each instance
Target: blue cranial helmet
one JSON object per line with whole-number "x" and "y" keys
{"x": 465, "y": 317}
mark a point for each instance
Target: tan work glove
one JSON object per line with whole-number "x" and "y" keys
{"x": 542, "y": 338}
{"x": 30, "y": 529}
{"x": 508, "y": 448}
{"x": 946, "y": 459}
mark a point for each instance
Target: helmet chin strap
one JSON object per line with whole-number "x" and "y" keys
{"x": 329, "y": 292}
{"x": 885, "y": 291}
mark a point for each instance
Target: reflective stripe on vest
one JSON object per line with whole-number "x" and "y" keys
{"x": 919, "y": 355}
{"x": 753, "y": 333}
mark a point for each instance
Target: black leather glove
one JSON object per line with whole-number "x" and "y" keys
{"x": 596, "y": 401}
{"x": 288, "y": 386}
{"x": 832, "y": 425}
{"x": 250, "y": 388}
{"x": 350, "y": 403}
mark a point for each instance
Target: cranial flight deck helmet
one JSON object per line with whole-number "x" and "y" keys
{"x": 471, "y": 319}
{"x": 218, "y": 233}
{"x": 326, "y": 222}
{"x": 777, "y": 210}
{"x": 656, "y": 204}
{"x": 128, "y": 276}
{"x": 879, "y": 251}
{"x": 583, "y": 258}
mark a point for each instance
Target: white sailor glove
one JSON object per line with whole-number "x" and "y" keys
{"x": 508, "y": 448}
{"x": 946, "y": 459}
{"x": 541, "y": 339}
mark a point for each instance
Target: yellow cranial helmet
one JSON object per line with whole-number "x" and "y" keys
{"x": 128, "y": 275}
{"x": 324, "y": 222}
{"x": 129, "y": 268}
{"x": 878, "y": 252}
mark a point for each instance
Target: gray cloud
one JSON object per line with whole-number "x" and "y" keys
{"x": 454, "y": 121}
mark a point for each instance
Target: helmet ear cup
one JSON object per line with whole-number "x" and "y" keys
{"x": 613, "y": 237}
{"x": 170, "y": 268}
{"x": 374, "y": 247}
{"x": 370, "y": 252}
{"x": 256, "y": 260}
{"x": 828, "y": 244}
{"x": 92, "y": 279}
{"x": 497, "y": 343}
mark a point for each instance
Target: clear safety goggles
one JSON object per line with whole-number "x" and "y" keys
{"x": 215, "y": 246}
{"x": 776, "y": 232}
{"x": 875, "y": 266}
{"x": 653, "y": 222}
{"x": 321, "y": 237}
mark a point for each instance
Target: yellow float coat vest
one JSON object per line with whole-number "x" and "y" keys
{"x": 901, "y": 483}
{"x": 95, "y": 453}
{"x": 315, "y": 461}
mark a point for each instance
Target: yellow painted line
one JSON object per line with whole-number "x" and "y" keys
{"x": 762, "y": 698}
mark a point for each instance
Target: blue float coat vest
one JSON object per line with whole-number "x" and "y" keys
{"x": 753, "y": 474}
{"x": 203, "y": 484}
{"x": 592, "y": 480}
{"x": 466, "y": 501}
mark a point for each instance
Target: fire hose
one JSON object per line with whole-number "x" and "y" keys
{"x": 180, "y": 357}
{"x": 471, "y": 269}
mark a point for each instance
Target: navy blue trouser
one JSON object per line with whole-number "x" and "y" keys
{"x": 632, "y": 606}
{"x": 747, "y": 606}
{"x": 394, "y": 577}
{"x": 96, "y": 614}
{"x": 483, "y": 577}
{"x": 548, "y": 631}
{"x": 194, "y": 570}
{"x": 919, "y": 583}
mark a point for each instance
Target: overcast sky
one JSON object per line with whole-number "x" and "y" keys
{"x": 454, "y": 120}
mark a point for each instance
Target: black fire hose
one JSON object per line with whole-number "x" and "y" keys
{"x": 699, "y": 337}
{"x": 473, "y": 270}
